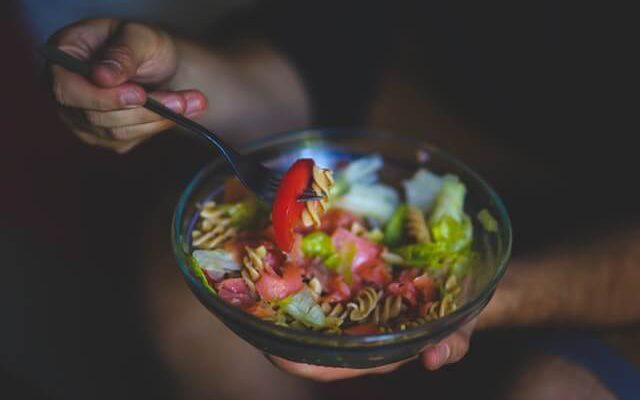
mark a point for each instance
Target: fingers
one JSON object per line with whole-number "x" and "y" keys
{"x": 139, "y": 122}
{"x": 135, "y": 52}
{"x": 73, "y": 90}
{"x": 327, "y": 374}
{"x": 121, "y": 130}
{"x": 450, "y": 350}
{"x": 139, "y": 115}
{"x": 85, "y": 37}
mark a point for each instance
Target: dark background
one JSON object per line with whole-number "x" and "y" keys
{"x": 538, "y": 92}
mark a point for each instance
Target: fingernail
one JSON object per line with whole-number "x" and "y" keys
{"x": 112, "y": 65}
{"x": 174, "y": 104}
{"x": 443, "y": 351}
{"x": 131, "y": 98}
{"x": 194, "y": 105}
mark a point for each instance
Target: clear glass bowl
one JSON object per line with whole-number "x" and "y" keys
{"x": 328, "y": 147}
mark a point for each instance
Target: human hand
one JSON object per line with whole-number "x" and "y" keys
{"x": 106, "y": 110}
{"x": 449, "y": 350}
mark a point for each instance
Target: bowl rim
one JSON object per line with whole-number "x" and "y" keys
{"x": 309, "y": 337}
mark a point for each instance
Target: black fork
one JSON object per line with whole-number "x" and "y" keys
{"x": 261, "y": 180}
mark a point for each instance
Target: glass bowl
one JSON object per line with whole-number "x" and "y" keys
{"x": 328, "y": 147}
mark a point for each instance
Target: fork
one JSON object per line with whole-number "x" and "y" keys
{"x": 258, "y": 178}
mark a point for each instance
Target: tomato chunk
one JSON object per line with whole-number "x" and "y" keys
{"x": 286, "y": 210}
{"x": 271, "y": 286}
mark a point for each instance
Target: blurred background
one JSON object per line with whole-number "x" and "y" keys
{"x": 92, "y": 303}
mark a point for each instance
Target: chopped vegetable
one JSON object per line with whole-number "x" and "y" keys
{"x": 303, "y": 308}
{"x": 421, "y": 190}
{"x": 199, "y": 274}
{"x": 317, "y": 244}
{"x": 375, "y": 201}
{"x": 449, "y": 201}
{"x": 216, "y": 263}
{"x": 394, "y": 230}
{"x": 287, "y": 211}
{"x": 272, "y": 286}
{"x": 488, "y": 222}
{"x": 364, "y": 170}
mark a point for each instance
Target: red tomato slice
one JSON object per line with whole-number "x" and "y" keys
{"x": 270, "y": 286}
{"x": 366, "y": 252}
{"x": 377, "y": 273}
{"x": 286, "y": 210}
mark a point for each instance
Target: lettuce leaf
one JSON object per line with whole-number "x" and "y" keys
{"x": 376, "y": 201}
{"x": 303, "y": 308}
{"x": 216, "y": 262}
{"x": 449, "y": 201}
{"x": 422, "y": 189}
{"x": 394, "y": 230}
{"x": 364, "y": 170}
{"x": 199, "y": 274}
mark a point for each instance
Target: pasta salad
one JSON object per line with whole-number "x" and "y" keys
{"x": 366, "y": 258}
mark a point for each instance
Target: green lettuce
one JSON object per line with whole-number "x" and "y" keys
{"x": 303, "y": 308}
{"x": 376, "y": 201}
{"x": 451, "y": 231}
{"x": 394, "y": 230}
{"x": 422, "y": 189}
{"x": 449, "y": 201}
{"x": 216, "y": 262}
{"x": 199, "y": 274}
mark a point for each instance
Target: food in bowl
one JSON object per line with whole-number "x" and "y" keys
{"x": 366, "y": 258}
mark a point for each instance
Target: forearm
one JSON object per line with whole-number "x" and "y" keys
{"x": 252, "y": 91}
{"x": 594, "y": 285}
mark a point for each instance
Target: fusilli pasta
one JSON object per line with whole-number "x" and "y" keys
{"x": 417, "y": 226}
{"x": 214, "y": 228}
{"x": 321, "y": 184}
{"x": 389, "y": 309}
{"x": 253, "y": 265}
{"x": 364, "y": 303}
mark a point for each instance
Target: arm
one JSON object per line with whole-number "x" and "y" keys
{"x": 251, "y": 90}
{"x": 587, "y": 285}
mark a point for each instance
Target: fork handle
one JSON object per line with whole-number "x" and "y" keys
{"x": 56, "y": 56}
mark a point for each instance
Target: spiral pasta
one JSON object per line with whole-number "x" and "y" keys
{"x": 387, "y": 310}
{"x": 417, "y": 226}
{"x": 252, "y": 266}
{"x": 364, "y": 303}
{"x": 321, "y": 184}
{"x": 214, "y": 228}
{"x": 335, "y": 313}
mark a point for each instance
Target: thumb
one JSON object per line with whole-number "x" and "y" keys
{"x": 135, "y": 52}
